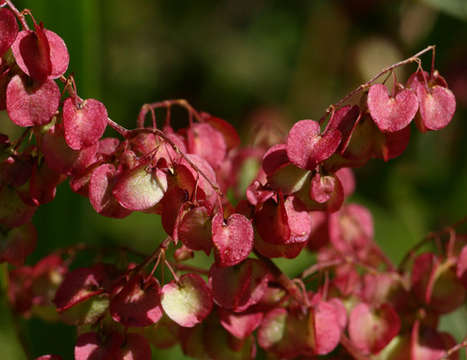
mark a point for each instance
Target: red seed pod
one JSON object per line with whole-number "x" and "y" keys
{"x": 17, "y": 244}
{"x": 435, "y": 283}
{"x": 221, "y": 345}
{"x": 347, "y": 179}
{"x": 190, "y": 180}
{"x": 60, "y": 158}
{"x": 286, "y": 333}
{"x": 107, "y": 147}
{"x": 232, "y": 140}
{"x": 340, "y": 312}
{"x": 84, "y": 123}
{"x": 288, "y": 179}
{"x": 8, "y": 30}
{"x": 91, "y": 346}
{"x": 42, "y": 185}
{"x": 256, "y": 193}
{"x": 5, "y": 77}
{"x": 47, "y": 275}
{"x": 20, "y": 289}
{"x": 391, "y": 113}
{"x": 32, "y": 53}
{"x": 360, "y": 147}
{"x": 135, "y": 347}
{"x": 137, "y": 303}
{"x": 83, "y": 283}
{"x": 101, "y": 185}
{"x": 306, "y": 147}
{"x": 41, "y": 54}
{"x": 377, "y": 288}
{"x": 347, "y": 280}
{"x": 144, "y": 143}
{"x": 429, "y": 344}
{"x": 194, "y": 229}
{"x": 371, "y": 329}
{"x": 240, "y": 325}
{"x": 16, "y": 171}
{"x": 239, "y": 287}
{"x": 270, "y": 250}
{"x": 345, "y": 120}
{"x": 31, "y": 104}
{"x": 187, "y": 302}
{"x": 351, "y": 230}
{"x": 326, "y": 322}
{"x": 166, "y": 155}
{"x": 13, "y": 211}
{"x": 232, "y": 239}
{"x": 326, "y": 192}
{"x": 437, "y": 102}
{"x": 284, "y": 223}
{"x": 79, "y": 183}
{"x": 206, "y": 142}
{"x": 282, "y": 175}
{"x": 388, "y": 146}
{"x": 272, "y": 328}
{"x": 140, "y": 188}
{"x": 437, "y": 107}
{"x": 171, "y": 207}
{"x": 274, "y": 158}
{"x": 58, "y": 54}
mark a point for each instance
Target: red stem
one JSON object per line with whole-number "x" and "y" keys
{"x": 433, "y": 235}
{"x": 18, "y": 14}
{"x": 289, "y": 285}
{"x": 455, "y": 349}
{"x": 413, "y": 58}
{"x": 321, "y": 266}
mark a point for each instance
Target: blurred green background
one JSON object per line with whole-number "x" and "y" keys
{"x": 239, "y": 60}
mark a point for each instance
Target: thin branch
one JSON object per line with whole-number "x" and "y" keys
{"x": 430, "y": 237}
{"x": 289, "y": 285}
{"x": 413, "y": 58}
{"x": 162, "y": 247}
{"x": 126, "y": 133}
{"x": 181, "y": 153}
{"x": 172, "y": 271}
{"x": 167, "y": 104}
{"x": 321, "y": 266}
{"x": 118, "y": 128}
{"x": 455, "y": 349}
{"x": 18, "y": 14}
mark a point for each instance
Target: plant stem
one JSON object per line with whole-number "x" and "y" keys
{"x": 289, "y": 285}
{"x": 321, "y": 266}
{"x": 433, "y": 235}
{"x": 183, "y": 155}
{"x": 413, "y": 58}
{"x": 18, "y": 14}
{"x": 455, "y": 349}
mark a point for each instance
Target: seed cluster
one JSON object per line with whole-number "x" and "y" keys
{"x": 360, "y": 306}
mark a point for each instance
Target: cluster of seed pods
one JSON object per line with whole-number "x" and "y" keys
{"x": 360, "y": 306}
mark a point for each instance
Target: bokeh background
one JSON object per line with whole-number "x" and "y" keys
{"x": 247, "y": 61}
